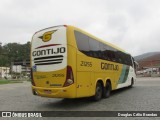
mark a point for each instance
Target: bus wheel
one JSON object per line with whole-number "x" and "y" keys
{"x": 98, "y": 92}
{"x": 132, "y": 83}
{"x": 107, "y": 90}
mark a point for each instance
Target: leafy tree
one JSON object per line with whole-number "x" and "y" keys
{"x": 14, "y": 51}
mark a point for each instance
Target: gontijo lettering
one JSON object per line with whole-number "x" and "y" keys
{"x": 107, "y": 66}
{"x": 49, "y": 51}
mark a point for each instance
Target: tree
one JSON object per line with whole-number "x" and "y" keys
{"x": 14, "y": 51}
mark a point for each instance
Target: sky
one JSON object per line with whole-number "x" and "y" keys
{"x": 133, "y": 25}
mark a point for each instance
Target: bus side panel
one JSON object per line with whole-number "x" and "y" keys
{"x": 118, "y": 76}
{"x": 83, "y": 84}
{"x": 126, "y": 75}
{"x": 99, "y": 73}
{"x": 103, "y": 72}
{"x": 72, "y": 64}
{"x": 84, "y": 74}
{"x": 72, "y": 58}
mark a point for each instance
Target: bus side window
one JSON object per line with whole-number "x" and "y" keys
{"x": 118, "y": 57}
{"x": 103, "y": 49}
{"x": 82, "y": 42}
{"x": 94, "y": 47}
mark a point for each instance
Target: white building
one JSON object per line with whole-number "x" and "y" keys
{"x": 4, "y": 72}
{"x": 17, "y": 68}
{"x": 20, "y": 69}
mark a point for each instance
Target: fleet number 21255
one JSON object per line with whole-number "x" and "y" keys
{"x": 86, "y": 64}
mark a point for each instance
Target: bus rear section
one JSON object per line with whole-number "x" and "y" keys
{"x": 50, "y": 73}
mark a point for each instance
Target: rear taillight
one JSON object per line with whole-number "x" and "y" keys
{"x": 32, "y": 79}
{"x": 69, "y": 77}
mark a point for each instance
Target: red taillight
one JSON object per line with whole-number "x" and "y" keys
{"x": 69, "y": 77}
{"x": 32, "y": 79}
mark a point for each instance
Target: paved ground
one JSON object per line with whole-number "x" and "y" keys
{"x": 145, "y": 96}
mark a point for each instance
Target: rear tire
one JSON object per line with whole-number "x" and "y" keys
{"x": 98, "y": 92}
{"x": 107, "y": 90}
{"x": 132, "y": 83}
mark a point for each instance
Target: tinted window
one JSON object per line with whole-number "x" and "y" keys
{"x": 107, "y": 52}
{"x": 129, "y": 61}
{"x": 111, "y": 51}
{"x": 118, "y": 56}
{"x": 103, "y": 50}
{"x": 82, "y": 42}
{"x": 94, "y": 48}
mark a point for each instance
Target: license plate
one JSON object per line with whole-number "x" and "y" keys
{"x": 47, "y": 91}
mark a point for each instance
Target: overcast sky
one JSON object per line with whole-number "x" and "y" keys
{"x": 133, "y": 25}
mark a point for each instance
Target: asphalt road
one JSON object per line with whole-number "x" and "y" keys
{"x": 144, "y": 96}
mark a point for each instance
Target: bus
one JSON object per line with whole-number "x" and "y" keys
{"x": 67, "y": 62}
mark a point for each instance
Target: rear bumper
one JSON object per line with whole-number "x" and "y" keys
{"x": 65, "y": 92}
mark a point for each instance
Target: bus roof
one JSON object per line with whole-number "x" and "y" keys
{"x": 105, "y": 42}
{"x": 75, "y": 28}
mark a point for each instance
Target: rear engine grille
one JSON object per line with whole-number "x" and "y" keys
{"x": 48, "y": 60}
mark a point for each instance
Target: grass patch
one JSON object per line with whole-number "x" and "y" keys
{"x": 10, "y": 81}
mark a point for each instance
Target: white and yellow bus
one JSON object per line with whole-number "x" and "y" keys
{"x": 67, "y": 62}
